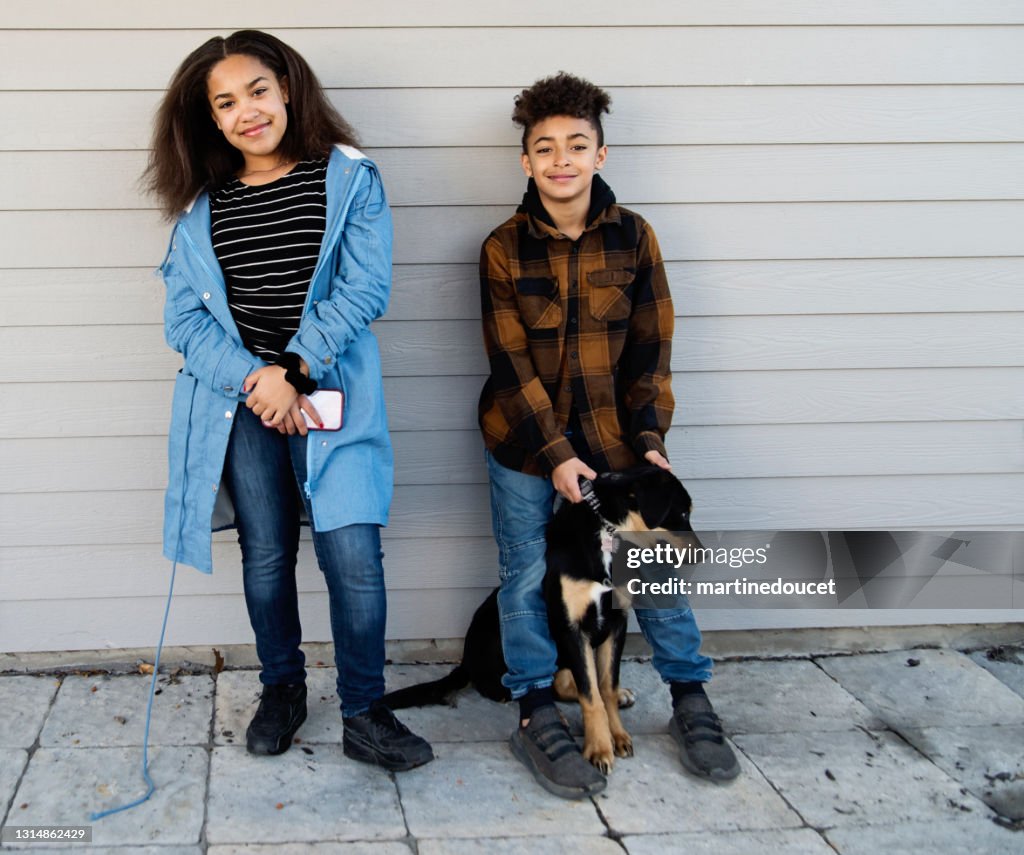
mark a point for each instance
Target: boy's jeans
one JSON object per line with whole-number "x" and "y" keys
{"x": 521, "y": 506}
{"x": 262, "y": 471}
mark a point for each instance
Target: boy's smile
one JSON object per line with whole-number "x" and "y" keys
{"x": 248, "y": 103}
{"x": 562, "y": 156}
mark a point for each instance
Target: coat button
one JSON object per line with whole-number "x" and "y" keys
{"x": 227, "y": 415}
{"x": 206, "y": 295}
{"x": 324, "y": 444}
{"x": 327, "y": 360}
{"x": 229, "y": 388}
{"x": 574, "y": 355}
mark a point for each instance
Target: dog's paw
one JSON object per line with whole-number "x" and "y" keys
{"x": 623, "y": 744}
{"x": 599, "y": 754}
{"x": 627, "y": 697}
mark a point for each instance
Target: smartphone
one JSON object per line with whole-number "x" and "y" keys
{"x": 329, "y": 404}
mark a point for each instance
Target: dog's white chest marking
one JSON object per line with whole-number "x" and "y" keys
{"x": 579, "y": 595}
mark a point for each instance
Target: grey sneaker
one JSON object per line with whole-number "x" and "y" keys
{"x": 548, "y": 750}
{"x": 702, "y": 747}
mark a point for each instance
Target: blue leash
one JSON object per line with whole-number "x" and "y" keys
{"x": 151, "y": 787}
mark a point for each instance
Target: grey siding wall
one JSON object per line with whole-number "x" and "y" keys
{"x": 838, "y": 190}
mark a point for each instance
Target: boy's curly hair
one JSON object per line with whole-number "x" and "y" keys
{"x": 561, "y": 95}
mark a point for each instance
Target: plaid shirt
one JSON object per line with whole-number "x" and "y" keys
{"x": 583, "y": 324}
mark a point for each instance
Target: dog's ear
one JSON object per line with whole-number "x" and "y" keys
{"x": 656, "y": 497}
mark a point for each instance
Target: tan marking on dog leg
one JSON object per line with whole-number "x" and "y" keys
{"x": 597, "y": 739}
{"x": 621, "y": 740}
{"x": 578, "y": 595}
{"x": 565, "y": 686}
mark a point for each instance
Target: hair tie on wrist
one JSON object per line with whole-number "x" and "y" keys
{"x": 290, "y": 362}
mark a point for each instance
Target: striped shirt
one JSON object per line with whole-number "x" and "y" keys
{"x": 267, "y": 239}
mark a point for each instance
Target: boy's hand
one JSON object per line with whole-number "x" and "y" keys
{"x": 658, "y": 459}
{"x": 565, "y": 478}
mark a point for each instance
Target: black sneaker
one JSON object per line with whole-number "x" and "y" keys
{"x": 376, "y": 736}
{"x": 548, "y": 750}
{"x": 702, "y": 746}
{"x": 282, "y": 710}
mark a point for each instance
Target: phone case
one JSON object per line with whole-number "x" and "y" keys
{"x": 329, "y": 404}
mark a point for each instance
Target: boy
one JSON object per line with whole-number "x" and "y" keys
{"x": 577, "y": 320}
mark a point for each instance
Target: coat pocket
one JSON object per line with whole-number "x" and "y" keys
{"x": 611, "y": 293}
{"x": 540, "y": 304}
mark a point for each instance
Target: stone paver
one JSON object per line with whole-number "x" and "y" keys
{"x": 801, "y": 841}
{"x": 855, "y": 778}
{"x": 24, "y": 702}
{"x": 238, "y": 695}
{"x": 772, "y": 697}
{"x": 480, "y": 788}
{"x": 106, "y": 711}
{"x": 361, "y": 847}
{"x": 651, "y": 792}
{"x": 473, "y": 719}
{"x": 989, "y": 761}
{"x": 12, "y": 764}
{"x": 310, "y": 793}
{"x": 968, "y": 834}
{"x": 945, "y": 689}
{"x": 1006, "y": 665}
{"x": 63, "y": 786}
{"x": 557, "y": 845}
{"x": 812, "y": 755}
{"x": 119, "y": 850}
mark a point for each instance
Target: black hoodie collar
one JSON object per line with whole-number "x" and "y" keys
{"x": 601, "y": 198}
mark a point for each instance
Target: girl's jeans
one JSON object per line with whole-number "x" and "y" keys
{"x": 263, "y": 471}
{"x": 521, "y": 506}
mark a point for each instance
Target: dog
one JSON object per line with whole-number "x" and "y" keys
{"x": 586, "y": 623}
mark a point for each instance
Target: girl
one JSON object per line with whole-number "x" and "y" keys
{"x": 279, "y": 260}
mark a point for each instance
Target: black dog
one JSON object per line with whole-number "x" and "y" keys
{"x": 585, "y": 623}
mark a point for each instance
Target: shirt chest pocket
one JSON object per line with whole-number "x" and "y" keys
{"x": 611, "y": 293}
{"x": 540, "y": 304}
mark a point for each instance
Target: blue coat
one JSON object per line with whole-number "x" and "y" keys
{"x": 351, "y": 470}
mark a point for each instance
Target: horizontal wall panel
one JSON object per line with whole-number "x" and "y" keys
{"x": 485, "y": 57}
{"x": 456, "y": 457}
{"x": 424, "y": 512}
{"x": 442, "y": 614}
{"x": 133, "y": 408}
{"x": 666, "y": 115}
{"x": 212, "y": 620}
{"x": 432, "y": 348}
{"x": 263, "y": 14}
{"x": 735, "y": 231}
{"x": 638, "y": 174}
{"x": 686, "y": 232}
{"x": 36, "y": 573}
{"x": 128, "y": 296}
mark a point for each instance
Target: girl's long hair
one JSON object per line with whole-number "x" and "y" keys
{"x": 189, "y": 153}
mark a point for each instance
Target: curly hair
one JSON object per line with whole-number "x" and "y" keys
{"x": 561, "y": 95}
{"x": 189, "y": 154}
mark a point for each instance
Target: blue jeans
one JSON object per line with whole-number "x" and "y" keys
{"x": 263, "y": 471}
{"x": 521, "y": 506}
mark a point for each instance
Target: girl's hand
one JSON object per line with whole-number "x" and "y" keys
{"x": 658, "y": 459}
{"x": 271, "y": 397}
{"x": 294, "y": 422}
{"x": 565, "y": 478}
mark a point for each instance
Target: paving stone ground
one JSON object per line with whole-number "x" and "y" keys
{"x": 899, "y": 752}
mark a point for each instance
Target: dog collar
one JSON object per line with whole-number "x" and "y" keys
{"x": 609, "y": 542}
